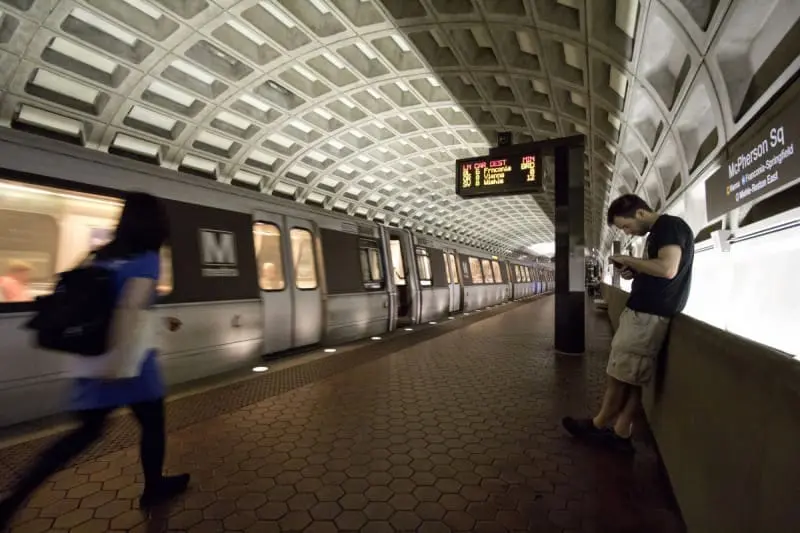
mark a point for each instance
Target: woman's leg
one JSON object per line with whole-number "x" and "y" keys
{"x": 157, "y": 487}
{"x": 54, "y": 459}
{"x": 153, "y": 443}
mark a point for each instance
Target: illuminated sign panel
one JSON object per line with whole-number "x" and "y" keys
{"x": 498, "y": 175}
{"x": 764, "y": 162}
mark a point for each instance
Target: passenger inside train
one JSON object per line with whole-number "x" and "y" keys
{"x": 14, "y": 285}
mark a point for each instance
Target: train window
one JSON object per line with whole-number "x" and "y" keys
{"x": 305, "y": 269}
{"x": 496, "y": 271}
{"x": 269, "y": 256}
{"x": 46, "y": 230}
{"x": 424, "y": 267}
{"x": 475, "y": 270}
{"x": 487, "y": 271}
{"x": 371, "y": 266}
{"x": 451, "y": 260}
{"x": 398, "y": 265}
{"x": 447, "y": 268}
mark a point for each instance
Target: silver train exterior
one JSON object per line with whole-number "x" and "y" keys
{"x": 319, "y": 278}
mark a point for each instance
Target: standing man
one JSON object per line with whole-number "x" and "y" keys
{"x": 661, "y": 281}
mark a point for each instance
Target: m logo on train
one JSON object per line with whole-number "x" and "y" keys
{"x": 218, "y": 249}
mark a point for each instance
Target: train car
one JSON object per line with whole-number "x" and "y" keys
{"x": 248, "y": 274}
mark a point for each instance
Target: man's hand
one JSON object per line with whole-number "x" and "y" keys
{"x": 619, "y": 261}
{"x": 627, "y": 273}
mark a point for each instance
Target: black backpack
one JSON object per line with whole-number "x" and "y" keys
{"x": 76, "y": 317}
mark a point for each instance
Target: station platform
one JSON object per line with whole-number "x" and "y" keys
{"x": 454, "y": 427}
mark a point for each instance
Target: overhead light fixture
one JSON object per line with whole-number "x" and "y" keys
{"x": 260, "y": 369}
{"x": 375, "y": 338}
{"x": 330, "y": 350}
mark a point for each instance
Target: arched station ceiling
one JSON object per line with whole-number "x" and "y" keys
{"x": 362, "y": 106}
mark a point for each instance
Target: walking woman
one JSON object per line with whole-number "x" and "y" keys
{"x": 108, "y": 382}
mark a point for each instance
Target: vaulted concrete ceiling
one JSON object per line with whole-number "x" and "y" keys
{"x": 362, "y": 106}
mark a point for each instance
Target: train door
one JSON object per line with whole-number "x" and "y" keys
{"x": 453, "y": 281}
{"x": 273, "y": 268}
{"x": 404, "y": 273}
{"x": 509, "y": 280}
{"x": 391, "y": 280}
{"x": 307, "y": 317}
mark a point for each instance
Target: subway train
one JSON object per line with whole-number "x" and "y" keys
{"x": 249, "y": 275}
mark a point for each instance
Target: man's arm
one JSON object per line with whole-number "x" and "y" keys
{"x": 664, "y": 266}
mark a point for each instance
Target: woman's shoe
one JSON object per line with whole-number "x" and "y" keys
{"x": 164, "y": 490}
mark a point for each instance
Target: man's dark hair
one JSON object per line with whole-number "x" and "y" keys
{"x": 626, "y": 206}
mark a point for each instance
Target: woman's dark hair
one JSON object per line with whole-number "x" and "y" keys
{"x": 142, "y": 228}
{"x": 626, "y": 206}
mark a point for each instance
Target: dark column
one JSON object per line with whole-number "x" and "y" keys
{"x": 570, "y": 331}
{"x": 616, "y": 249}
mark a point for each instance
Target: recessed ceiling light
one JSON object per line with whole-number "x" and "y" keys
{"x": 260, "y": 369}
{"x": 376, "y": 338}
{"x": 330, "y": 350}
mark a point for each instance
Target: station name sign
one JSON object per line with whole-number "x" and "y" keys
{"x": 764, "y": 162}
{"x": 499, "y": 175}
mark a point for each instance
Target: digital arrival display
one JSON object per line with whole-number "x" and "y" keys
{"x": 498, "y": 175}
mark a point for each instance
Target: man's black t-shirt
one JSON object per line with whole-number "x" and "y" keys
{"x": 662, "y": 296}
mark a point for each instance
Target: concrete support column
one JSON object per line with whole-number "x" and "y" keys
{"x": 616, "y": 249}
{"x": 570, "y": 325}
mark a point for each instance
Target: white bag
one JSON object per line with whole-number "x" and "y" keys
{"x": 128, "y": 358}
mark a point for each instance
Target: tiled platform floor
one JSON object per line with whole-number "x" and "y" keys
{"x": 458, "y": 433}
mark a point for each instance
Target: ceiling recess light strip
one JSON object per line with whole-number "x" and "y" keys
{"x": 255, "y": 102}
{"x": 193, "y": 71}
{"x": 247, "y": 177}
{"x": 151, "y": 117}
{"x": 234, "y": 120}
{"x": 273, "y": 10}
{"x": 401, "y": 43}
{"x": 261, "y": 157}
{"x": 61, "y": 85}
{"x": 322, "y": 8}
{"x": 199, "y": 163}
{"x": 366, "y": 50}
{"x": 333, "y": 60}
{"x": 84, "y": 55}
{"x": 44, "y": 119}
{"x": 145, "y": 8}
{"x": 171, "y": 93}
{"x": 106, "y": 27}
{"x": 247, "y": 32}
{"x": 132, "y": 144}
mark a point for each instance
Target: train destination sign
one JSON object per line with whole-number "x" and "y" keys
{"x": 764, "y": 162}
{"x": 498, "y": 175}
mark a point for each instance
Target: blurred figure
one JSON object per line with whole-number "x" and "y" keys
{"x": 105, "y": 383}
{"x": 14, "y": 285}
{"x": 269, "y": 277}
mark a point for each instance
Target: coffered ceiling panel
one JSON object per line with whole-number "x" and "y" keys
{"x": 362, "y": 106}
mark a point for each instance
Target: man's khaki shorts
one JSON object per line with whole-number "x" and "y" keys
{"x": 635, "y": 347}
